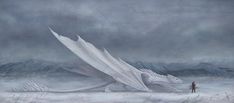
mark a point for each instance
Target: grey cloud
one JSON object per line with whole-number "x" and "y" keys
{"x": 152, "y": 30}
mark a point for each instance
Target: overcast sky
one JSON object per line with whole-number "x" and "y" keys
{"x": 146, "y": 30}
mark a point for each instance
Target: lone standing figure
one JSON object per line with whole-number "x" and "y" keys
{"x": 193, "y": 87}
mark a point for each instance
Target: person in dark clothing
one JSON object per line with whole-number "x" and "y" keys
{"x": 193, "y": 87}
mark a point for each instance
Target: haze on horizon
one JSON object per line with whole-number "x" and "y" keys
{"x": 151, "y": 30}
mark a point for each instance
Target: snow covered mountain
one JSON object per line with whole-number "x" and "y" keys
{"x": 186, "y": 69}
{"x": 42, "y": 68}
{"x": 29, "y": 68}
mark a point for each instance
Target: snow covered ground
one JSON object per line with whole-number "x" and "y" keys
{"x": 210, "y": 90}
{"x": 63, "y": 89}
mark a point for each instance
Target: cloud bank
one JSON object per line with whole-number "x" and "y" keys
{"x": 149, "y": 30}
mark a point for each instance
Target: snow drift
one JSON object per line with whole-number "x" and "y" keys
{"x": 118, "y": 69}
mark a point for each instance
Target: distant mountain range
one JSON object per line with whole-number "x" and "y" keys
{"x": 42, "y": 68}
{"x": 186, "y": 69}
{"x": 32, "y": 67}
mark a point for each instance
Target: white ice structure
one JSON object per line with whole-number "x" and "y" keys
{"x": 118, "y": 69}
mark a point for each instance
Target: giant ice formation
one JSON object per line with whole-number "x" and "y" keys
{"x": 119, "y": 70}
